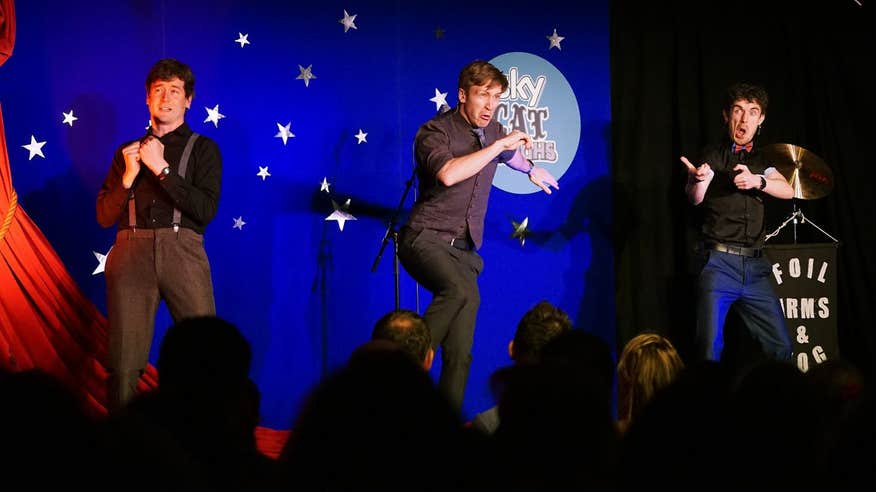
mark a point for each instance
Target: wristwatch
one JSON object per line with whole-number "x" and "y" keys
{"x": 166, "y": 172}
{"x": 762, "y": 182}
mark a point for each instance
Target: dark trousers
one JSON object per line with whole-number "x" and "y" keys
{"x": 727, "y": 279}
{"x": 143, "y": 267}
{"x": 451, "y": 275}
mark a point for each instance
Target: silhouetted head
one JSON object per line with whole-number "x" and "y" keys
{"x": 583, "y": 351}
{"x": 407, "y": 329}
{"x": 648, "y": 363}
{"x": 538, "y": 326}
{"x": 381, "y": 406}
{"x": 203, "y": 351}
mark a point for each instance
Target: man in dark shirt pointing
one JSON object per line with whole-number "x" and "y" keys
{"x": 161, "y": 192}
{"x": 729, "y": 185}
{"x": 457, "y": 153}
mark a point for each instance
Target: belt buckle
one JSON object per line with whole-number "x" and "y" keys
{"x": 736, "y": 250}
{"x": 461, "y": 244}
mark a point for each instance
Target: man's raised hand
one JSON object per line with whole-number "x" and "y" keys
{"x": 697, "y": 174}
{"x": 513, "y": 140}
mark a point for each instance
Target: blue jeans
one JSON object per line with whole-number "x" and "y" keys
{"x": 727, "y": 279}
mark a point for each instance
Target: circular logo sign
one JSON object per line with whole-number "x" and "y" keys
{"x": 539, "y": 101}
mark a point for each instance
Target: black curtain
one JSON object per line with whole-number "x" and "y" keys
{"x": 670, "y": 65}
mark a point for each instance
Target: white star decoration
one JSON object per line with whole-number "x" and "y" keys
{"x": 213, "y": 115}
{"x": 348, "y": 21}
{"x": 440, "y": 99}
{"x": 242, "y": 39}
{"x": 339, "y": 215}
{"x": 555, "y": 40}
{"x": 238, "y": 223}
{"x": 101, "y": 261}
{"x": 263, "y": 172}
{"x": 306, "y": 74}
{"x": 324, "y": 186}
{"x": 520, "y": 230}
{"x": 285, "y": 133}
{"x": 35, "y": 148}
{"x": 361, "y": 137}
{"x": 69, "y": 118}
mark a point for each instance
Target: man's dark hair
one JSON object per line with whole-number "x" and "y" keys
{"x": 747, "y": 92}
{"x": 168, "y": 69}
{"x": 542, "y": 323}
{"x": 407, "y": 329}
{"x": 480, "y": 72}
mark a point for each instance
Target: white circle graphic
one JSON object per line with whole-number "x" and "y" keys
{"x": 539, "y": 101}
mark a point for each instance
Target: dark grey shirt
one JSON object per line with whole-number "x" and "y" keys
{"x": 458, "y": 210}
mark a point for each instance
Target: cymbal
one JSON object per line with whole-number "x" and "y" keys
{"x": 807, "y": 173}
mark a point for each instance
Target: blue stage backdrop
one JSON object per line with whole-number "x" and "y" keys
{"x": 299, "y": 286}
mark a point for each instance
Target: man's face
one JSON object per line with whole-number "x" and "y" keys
{"x": 167, "y": 101}
{"x": 742, "y": 120}
{"x": 479, "y": 103}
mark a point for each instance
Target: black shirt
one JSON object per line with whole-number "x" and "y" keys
{"x": 731, "y": 215}
{"x": 196, "y": 195}
{"x": 458, "y": 210}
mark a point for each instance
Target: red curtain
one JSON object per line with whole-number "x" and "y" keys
{"x": 46, "y": 321}
{"x": 7, "y": 29}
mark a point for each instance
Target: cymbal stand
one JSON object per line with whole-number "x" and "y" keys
{"x": 797, "y": 216}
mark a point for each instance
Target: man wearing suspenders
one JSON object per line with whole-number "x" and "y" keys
{"x": 161, "y": 192}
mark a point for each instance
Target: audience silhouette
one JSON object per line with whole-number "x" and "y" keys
{"x": 198, "y": 428}
{"x": 48, "y": 440}
{"x": 556, "y": 429}
{"x": 375, "y": 424}
{"x": 647, "y": 364}
{"x": 536, "y": 328}
{"x": 409, "y": 331}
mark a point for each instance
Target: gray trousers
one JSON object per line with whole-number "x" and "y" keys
{"x": 143, "y": 267}
{"x": 451, "y": 275}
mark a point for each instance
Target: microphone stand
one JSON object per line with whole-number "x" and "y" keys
{"x": 392, "y": 233}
